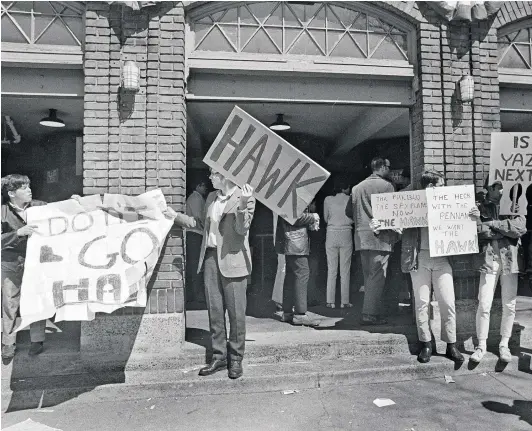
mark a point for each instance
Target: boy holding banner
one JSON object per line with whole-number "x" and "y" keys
{"x": 16, "y": 193}
{"x": 499, "y": 242}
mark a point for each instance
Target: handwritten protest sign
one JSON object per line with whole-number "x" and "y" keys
{"x": 451, "y": 230}
{"x": 511, "y": 163}
{"x": 400, "y": 210}
{"x": 283, "y": 178}
{"x": 91, "y": 256}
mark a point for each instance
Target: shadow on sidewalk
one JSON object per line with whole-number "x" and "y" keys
{"x": 520, "y": 408}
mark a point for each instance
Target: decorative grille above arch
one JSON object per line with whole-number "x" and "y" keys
{"x": 42, "y": 23}
{"x": 515, "y": 48}
{"x": 317, "y": 29}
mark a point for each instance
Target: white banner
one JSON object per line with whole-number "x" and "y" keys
{"x": 401, "y": 209}
{"x": 511, "y": 163}
{"x": 451, "y": 230}
{"x": 91, "y": 256}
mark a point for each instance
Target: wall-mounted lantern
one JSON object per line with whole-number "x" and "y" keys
{"x": 467, "y": 88}
{"x": 130, "y": 76}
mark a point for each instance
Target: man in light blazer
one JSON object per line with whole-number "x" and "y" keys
{"x": 227, "y": 259}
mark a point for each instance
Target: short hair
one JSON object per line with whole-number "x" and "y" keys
{"x": 13, "y": 182}
{"x": 488, "y": 185}
{"x": 201, "y": 183}
{"x": 430, "y": 177}
{"x": 377, "y": 163}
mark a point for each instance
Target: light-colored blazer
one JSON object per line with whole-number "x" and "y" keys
{"x": 234, "y": 256}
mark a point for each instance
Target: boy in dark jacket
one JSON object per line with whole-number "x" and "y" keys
{"x": 16, "y": 194}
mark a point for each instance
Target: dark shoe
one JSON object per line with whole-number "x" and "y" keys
{"x": 235, "y": 369}
{"x": 305, "y": 320}
{"x": 425, "y": 353}
{"x": 36, "y": 348}
{"x": 287, "y": 317}
{"x": 215, "y": 366}
{"x": 8, "y": 351}
{"x": 453, "y": 354}
{"x": 368, "y": 320}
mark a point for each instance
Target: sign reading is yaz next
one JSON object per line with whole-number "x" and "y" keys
{"x": 283, "y": 178}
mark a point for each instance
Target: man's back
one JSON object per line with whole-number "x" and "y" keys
{"x": 365, "y": 239}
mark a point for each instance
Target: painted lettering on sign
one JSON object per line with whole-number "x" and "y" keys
{"x": 400, "y": 210}
{"x": 283, "y": 178}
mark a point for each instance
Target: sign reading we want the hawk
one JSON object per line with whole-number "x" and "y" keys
{"x": 283, "y": 178}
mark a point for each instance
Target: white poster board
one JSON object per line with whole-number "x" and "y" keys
{"x": 511, "y": 163}
{"x": 451, "y": 230}
{"x": 91, "y": 256}
{"x": 283, "y": 178}
{"x": 401, "y": 209}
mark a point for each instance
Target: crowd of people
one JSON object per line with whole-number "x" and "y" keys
{"x": 218, "y": 249}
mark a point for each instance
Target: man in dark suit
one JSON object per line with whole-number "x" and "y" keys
{"x": 227, "y": 258}
{"x": 293, "y": 241}
{"x": 16, "y": 194}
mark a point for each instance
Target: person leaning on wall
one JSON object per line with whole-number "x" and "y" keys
{"x": 499, "y": 239}
{"x": 226, "y": 258}
{"x": 16, "y": 198}
{"x": 427, "y": 272}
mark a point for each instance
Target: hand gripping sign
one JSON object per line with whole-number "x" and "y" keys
{"x": 283, "y": 178}
{"x": 91, "y": 256}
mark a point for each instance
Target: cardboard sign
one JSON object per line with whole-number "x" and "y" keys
{"x": 511, "y": 163}
{"x": 91, "y": 256}
{"x": 451, "y": 230}
{"x": 400, "y": 210}
{"x": 283, "y": 178}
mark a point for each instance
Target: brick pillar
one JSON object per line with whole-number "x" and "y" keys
{"x": 135, "y": 142}
{"x": 454, "y": 137}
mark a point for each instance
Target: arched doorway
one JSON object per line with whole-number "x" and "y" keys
{"x": 341, "y": 73}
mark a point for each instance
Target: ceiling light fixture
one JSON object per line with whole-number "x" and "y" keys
{"x": 280, "y": 125}
{"x": 52, "y": 120}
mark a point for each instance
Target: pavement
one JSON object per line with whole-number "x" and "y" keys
{"x": 279, "y": 356}
{"x": 486, "y": 401}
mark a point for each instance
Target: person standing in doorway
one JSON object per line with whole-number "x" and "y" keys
{"x": 427, "y": 272}
{"x": 17, "y": 198}
{"x": 499, "y": 243}
{"x": 293, "y": 241}
{"x": 195, "y": 207}
{"x": 374, "y": 246}
{"x": 338, "y": 243}
{"x": 226, "y": 257}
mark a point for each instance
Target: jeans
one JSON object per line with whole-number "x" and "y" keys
{"x": 295, "y": 284}
{"x": 374, "y": 267}
{"x": 339, "y": 249}
{"x": 435, "y": 272}
{"x": 223, "y": 294}
{"x": 11, "y": 283}
{"x": 486, "y": 291}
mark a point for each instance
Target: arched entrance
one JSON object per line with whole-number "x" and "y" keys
{"x": 341, "y": 74}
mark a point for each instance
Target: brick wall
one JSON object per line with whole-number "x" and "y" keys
{"x": 136, "y": 142}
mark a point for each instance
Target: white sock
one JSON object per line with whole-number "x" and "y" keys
{"x": 504, "y": 341}
{"x": 482, "y": 345}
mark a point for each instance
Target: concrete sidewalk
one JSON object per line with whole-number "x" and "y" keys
{"x": 278, "y": 354}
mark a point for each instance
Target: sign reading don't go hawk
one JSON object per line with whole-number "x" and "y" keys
{"x": 283, "y": 178}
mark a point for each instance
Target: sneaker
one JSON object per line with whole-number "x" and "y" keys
{"x": 8, "y": 351}
{"x": 305, "y": 320}
{"x": 477, "y": 355}
{"x": 504, "y": 354}
{"x": 36, "y": 348}
{"x": 331, "y": 305}
{"x": 348, "y": 305}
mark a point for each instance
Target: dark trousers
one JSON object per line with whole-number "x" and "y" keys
{"x": 195, "y": 291}
{"x": 223, "y": 294}
{"x": 11, "y": 284}
{"x": 295, "y": 284}
{"x": 374, "y": 267}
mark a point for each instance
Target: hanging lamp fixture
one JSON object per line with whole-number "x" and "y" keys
{"x": 280, "y": 125}
{"x": 52, "y": 120}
